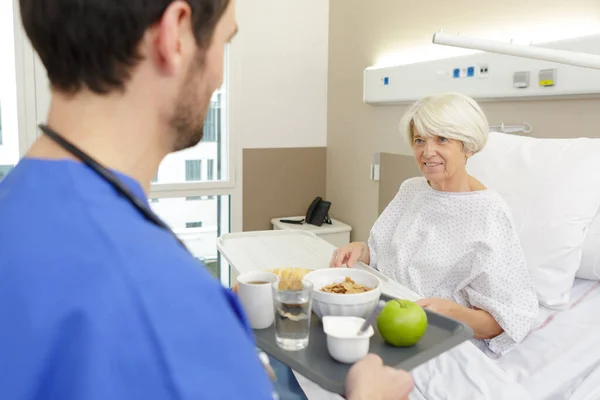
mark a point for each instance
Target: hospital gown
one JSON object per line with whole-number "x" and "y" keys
{"x": 458, "y": 246}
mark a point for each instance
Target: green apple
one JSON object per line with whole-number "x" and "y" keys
{"x": 402, "y": 322}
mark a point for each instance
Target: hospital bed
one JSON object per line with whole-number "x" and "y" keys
{"x": 553, "y": 189}
{"x": 560, "y": 358}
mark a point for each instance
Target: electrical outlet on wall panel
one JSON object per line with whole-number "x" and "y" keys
{"x": 483, "y": 71}
{"x": 375, "y": 172}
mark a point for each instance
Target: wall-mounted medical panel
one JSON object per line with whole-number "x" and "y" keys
{"x": 487, "y": 77}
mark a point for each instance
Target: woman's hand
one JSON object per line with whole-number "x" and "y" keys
{"x": 484, "y": 325}
{"x": 440, "y": 306}
{"x": 350, "y": 254}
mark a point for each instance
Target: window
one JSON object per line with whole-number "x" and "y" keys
{"x": 9, "y": 124}
{"x": 214, "y": 146}
{"x": 212, "y": 264}
{"x": 210, "y": 170}
{"x": 194, "y": 198}
{"x": 212, "y": 124}
{"x": 198, "y": 224}
{"x": 4, "y": 169}
{"x": 196, "y": 189}
{"x": 193, "y": 170}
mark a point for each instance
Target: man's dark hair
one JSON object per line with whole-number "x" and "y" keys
{"x": 94, "y": 43}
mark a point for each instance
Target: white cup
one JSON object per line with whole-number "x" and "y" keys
{"x": 257, "y": 298}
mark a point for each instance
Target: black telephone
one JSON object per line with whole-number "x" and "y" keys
{"x": 317, "y": 214}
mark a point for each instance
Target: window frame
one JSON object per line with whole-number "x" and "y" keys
{"x": 25, "y": 75}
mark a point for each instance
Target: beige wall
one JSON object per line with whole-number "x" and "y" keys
{"x": 278, "y": 100}
{"x": 363, "y": 33}
{"x": 280, "y": 183}
{"x": 278, "y": 74}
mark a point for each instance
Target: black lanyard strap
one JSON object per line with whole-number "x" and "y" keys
{"x": 109, "y": 177}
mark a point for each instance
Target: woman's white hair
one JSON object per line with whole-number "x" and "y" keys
{"x": 451, "y": 115}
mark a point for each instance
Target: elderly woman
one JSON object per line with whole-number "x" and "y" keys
{"x": 446, "y": 236}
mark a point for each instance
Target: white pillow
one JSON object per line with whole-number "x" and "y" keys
{"x": 590, "y": 259}
{"x": 553, "y": 189}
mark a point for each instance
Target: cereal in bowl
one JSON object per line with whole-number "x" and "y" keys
{"x": 348, "y": 286}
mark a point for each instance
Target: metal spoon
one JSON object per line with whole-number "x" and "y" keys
{"x": 371, "y": 318}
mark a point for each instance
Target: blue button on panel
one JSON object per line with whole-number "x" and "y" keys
{"x": 386, "y": 80}
{"x": 471, "y": 71}
{"x": 456, "y": 73}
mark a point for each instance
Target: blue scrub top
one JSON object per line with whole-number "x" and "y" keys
{"x": 96, "y": 303}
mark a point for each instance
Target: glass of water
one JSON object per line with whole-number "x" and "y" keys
{"x": 292, "y": 303}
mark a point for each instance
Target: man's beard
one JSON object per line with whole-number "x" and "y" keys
{"x": 187, "y": 122}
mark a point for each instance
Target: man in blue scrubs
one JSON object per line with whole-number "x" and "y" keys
{"x": 98, "y": 301}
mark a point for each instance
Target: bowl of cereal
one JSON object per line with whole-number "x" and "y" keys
{"x": 344, "y": 291}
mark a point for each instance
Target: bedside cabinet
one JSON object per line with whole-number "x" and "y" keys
{"x": 338, "y": 233}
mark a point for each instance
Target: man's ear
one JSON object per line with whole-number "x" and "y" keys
{"x": 169, "y": 37}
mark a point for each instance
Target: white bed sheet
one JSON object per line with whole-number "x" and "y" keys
{"x": 560, "y": 359}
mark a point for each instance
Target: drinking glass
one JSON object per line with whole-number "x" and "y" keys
{"x": 292, "y": 303}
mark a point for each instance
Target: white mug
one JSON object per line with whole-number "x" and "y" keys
{"x": 257, "y": 298}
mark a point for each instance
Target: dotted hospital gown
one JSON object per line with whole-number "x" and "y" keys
{"x": 461, "y": 247}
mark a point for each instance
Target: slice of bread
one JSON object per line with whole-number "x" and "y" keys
{"x": 288, "y": 274}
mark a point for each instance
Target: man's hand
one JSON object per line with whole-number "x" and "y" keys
{"x": 369, "y": 379}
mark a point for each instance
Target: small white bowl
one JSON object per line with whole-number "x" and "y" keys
{"x": 342, "y": 342}
{"x": 350, "y": 305}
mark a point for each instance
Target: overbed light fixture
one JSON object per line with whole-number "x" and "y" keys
{"x": 584, "y": 60}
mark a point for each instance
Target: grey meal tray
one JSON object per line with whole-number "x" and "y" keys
{"x": 316, "y": 364}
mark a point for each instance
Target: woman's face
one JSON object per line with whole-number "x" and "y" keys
{"x": 439, "y": 159}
